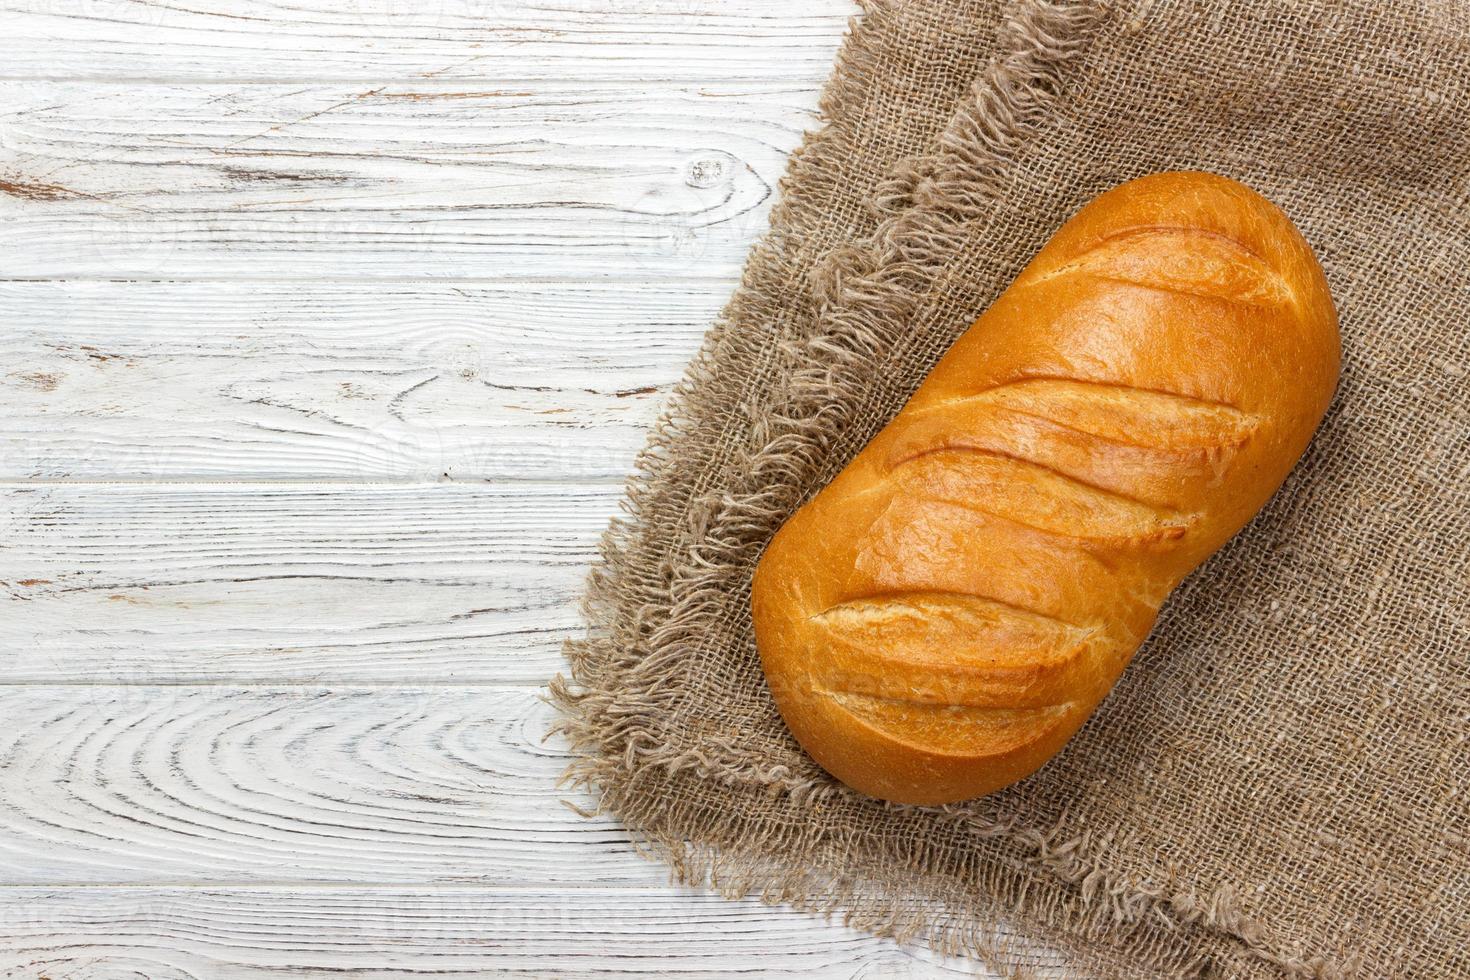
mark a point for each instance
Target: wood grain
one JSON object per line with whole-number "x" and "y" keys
{"x": 341, "y": 381}
{"x": 695, "y": 41}
{"x": 305, "y": 583}
{"x": 132, "y": 784}
{"x": 396, "y": 180}
{"x": 360, "y": 255}
{"x": 319, "y": 932}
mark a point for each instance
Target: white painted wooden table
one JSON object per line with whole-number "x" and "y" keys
{"x": 329, "y": 330}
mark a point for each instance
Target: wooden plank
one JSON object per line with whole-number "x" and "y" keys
{"x": 362, "y": 40}
{"x": 535, "y": 179}
{"x": 102, "y": 784}
{"x": 255, "y": 933}
{"x": 307, "y": 583}
{"x": 339, "y": 380}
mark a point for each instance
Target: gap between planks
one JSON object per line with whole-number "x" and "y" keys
{"x": 307, "y": 482}
{"x": 674, "y": 277}
{"x": 297, "y": 685}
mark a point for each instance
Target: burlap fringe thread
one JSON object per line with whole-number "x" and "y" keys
{"x": 867, "y": 292}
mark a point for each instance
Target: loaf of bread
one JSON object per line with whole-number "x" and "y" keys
{"x": 941, "y": 618}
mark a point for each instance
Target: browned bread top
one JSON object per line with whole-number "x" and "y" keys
{"x": 941, "y": 618}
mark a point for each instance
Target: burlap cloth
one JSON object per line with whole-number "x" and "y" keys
{"x": 1279, "y": 782}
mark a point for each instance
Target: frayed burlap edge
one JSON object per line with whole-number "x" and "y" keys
{"x": 640, "y": 628}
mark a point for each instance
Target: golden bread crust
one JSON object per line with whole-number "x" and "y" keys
{"x": 943, "y": 617}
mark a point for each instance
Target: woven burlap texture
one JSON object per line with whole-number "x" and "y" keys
{"x": 1279, "y": 783}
